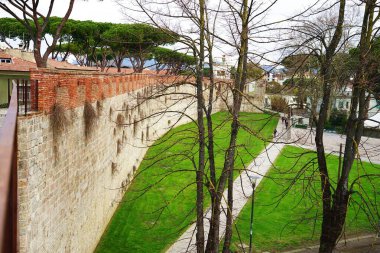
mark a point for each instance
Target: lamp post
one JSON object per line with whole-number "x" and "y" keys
{"x": 253, "y": 180}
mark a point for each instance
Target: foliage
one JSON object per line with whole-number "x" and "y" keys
{"x": 274, "y": 88}
{"x": 12, "y": 29}
{"x": 149, "y": 221}
{"x": 300, "y": 126}
{"x": 300, "y": 64}
{"x": 30, "y": 15}
{"x": 136, "y": 41}
{"x": 337, "y": 121}
{"x": 254, "y": 72}
{"x": 98, "y": 43}
{"x": 173, "y": 61}
{"x": 279, "y": 104}
{"x": 206, "y": 72}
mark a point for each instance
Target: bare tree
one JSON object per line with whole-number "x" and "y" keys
{"x": 326, "y": 44}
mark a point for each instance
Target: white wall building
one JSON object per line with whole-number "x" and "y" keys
{"x": 222, "y": 68}
{"x": 342, "y": 102}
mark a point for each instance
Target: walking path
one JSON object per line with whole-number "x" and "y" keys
{"x": 369, "y": 148}
{"x": 242, "y": 191}
{"x": 361, "y": 244}
{"x": 259, "y": 167}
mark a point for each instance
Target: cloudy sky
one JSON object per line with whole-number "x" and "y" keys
{"x": 110, "y": 11}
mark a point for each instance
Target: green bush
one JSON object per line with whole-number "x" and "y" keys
{"x": 300, "y": 126}
{"x": 337, "y": 121}
{"x": 4, "y": 105}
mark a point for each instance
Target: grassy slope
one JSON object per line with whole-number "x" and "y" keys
{"x": 138, "y": 225}
{"x": 291, "y": 223}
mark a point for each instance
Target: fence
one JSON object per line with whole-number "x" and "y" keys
{"x": 8, "y": 177}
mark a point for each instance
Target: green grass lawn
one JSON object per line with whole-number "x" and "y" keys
{"x": 159, "y": 205}
{"x": 290, "y": 222}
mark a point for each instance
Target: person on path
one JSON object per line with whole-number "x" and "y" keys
{"x": 286, "y": 123}
{"x": 274, "y": 133}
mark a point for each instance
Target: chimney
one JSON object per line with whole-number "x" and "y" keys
{"x": 224, "y": 59}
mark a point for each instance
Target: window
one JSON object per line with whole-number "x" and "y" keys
{"x": 5, "y": 60}
{"x": 340, "y": 104}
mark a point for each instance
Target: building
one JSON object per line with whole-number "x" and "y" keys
{"x": 275, "y": 74}
{"x": 222, "y": 68}
{"x": 342, "y": 102}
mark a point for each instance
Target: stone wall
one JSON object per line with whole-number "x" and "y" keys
{"x": 70, "y": 184}
{"x": 254, "y": 102}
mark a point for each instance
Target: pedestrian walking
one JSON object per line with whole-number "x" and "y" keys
{"x": 274, "y": 133}
{"x": 286, "y": 124}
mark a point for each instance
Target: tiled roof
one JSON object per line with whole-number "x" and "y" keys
{"x": 23, "y": 65}
{"x": 113, "y": 70}
{"x": 17, "y": 64}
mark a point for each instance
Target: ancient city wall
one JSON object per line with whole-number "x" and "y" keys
{"x": 71, "y": 179}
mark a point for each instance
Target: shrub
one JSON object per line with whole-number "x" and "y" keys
{"x": 337, "y": 121}
{"x": 274, "y": 88}
{"x": 300, "y": 126}
{"x": 279, "y": 104}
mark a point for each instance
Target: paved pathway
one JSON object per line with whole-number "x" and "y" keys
{"x": 369, "y": 148}
{"x": 361, "y": 244}
{"x": 242, "y": 191}
{"x": 3, "y": 113}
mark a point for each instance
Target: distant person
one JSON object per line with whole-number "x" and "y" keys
{"x": 286, "y": 123}
{"x": 275, "y": 133}
{"x": 282, "y": 119}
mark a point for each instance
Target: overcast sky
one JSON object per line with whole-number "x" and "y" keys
{"x": 110, "y": 11}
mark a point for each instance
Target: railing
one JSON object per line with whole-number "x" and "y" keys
{"x": 27, "y": 93}
{"x": 8, "y": 178}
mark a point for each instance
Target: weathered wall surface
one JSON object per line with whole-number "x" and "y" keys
{"x": 70, "y": 185}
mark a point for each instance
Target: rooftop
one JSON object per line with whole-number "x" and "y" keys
{"x": 22, "y": 61}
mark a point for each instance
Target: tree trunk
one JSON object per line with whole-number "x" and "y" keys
{"x": 210, "y": 147}
{"x": 200, "y": 237}
{"x": 330, "y": 226}
{"x": 240, "y": 84}
{"x": 40, "y": 61}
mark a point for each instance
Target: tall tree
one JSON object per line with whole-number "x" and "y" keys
{"x": 135, "y": 41}
{"x": 325, "y": 40}
{"x": 172, "y": 61}
{"x": 36, "y": 23}
{"x": 11, "y": 29}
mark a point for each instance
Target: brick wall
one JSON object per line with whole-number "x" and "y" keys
{"x": 73, "y": 88}
{"x": 70, "y": 185}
